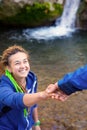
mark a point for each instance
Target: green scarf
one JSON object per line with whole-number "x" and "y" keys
{"x": 17, "y": 87}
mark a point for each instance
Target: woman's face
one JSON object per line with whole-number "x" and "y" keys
{"x": 19, "y": 65}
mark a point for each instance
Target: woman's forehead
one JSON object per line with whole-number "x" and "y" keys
{"x": 18, "y": 56}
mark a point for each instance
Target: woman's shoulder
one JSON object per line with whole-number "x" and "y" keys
{"x": 4, "y": 78}
{"x": 5, "y": 82}
{"x": 32, "y": 75}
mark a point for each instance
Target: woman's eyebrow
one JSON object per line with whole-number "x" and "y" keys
{"x": 19, "y": 60}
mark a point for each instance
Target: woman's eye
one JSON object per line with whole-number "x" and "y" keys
{"x": 17, "y": 63}
{"x": 25, "y": 61}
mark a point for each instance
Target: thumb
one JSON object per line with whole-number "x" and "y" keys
{"x": 50, "y": 88}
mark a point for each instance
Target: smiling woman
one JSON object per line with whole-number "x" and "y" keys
{"x": 18, "y": 86}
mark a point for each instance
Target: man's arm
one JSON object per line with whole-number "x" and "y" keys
{"x": 70, "y": 83}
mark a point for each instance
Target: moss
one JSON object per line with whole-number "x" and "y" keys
{"x": 82, "y": 7}
{"x": 58, "y": 8}
{"x": 35, "y": 15}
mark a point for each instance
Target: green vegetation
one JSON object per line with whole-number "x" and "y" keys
{"x": 82, "y": 7}
{"x": 35, "y": 15}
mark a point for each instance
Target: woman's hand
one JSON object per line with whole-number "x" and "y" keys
{"x": 56, "y": 93}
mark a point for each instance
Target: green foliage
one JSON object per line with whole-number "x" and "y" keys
{"x": 58, "y": 8}
{"x": 82, "y": 7}
{"x": 35, "y": 14}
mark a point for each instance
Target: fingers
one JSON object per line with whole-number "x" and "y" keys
{"x": 51, "y": 88}
{"x": 59, "y": 95}
{"x": 54, "y": 92}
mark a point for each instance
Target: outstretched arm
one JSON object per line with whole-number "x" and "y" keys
{"x": 70, "y": 83}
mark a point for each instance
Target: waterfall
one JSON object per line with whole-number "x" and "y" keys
{"x": 64, "y": 27}
{"x": 69, "y": 13}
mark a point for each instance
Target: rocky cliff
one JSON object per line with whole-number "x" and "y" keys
{"x": 82, "y": 15}
{"x": 29, "y": 13}
{"x": 33, "y": 13}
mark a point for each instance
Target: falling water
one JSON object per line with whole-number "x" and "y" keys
{"x": 65, "y": 27}
{"x": 69, "y": 14}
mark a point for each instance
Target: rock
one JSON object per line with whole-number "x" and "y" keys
{"x": 26, "y": 13}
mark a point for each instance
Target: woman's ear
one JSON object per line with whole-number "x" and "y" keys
{"x": 8, "y": 68}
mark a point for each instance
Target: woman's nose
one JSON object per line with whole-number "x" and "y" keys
{"x": 22, "y": 65}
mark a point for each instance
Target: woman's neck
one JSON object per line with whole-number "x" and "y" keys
{"x": 22, "y": 83}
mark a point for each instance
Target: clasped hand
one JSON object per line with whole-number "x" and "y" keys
{"x": 55, "y": 93}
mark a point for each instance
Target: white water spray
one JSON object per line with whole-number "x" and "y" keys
{"x": 69, "y": 13}
{"x": 65, "y": 28}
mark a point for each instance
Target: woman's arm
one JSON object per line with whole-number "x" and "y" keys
{"x": 36, "y": 119}
{"x": 31, "y": 99}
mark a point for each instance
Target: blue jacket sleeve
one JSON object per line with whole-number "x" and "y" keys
{"x": 10, "y": 98}
{"x": 74, "y": 81}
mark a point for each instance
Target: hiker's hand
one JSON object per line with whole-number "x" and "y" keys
{"x": 56, "y": 93}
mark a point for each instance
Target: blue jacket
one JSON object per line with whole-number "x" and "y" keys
{"x": 14, "y": 119}
{"x": 74, "y": 81}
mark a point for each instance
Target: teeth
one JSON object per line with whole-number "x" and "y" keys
{"x": 22, "y": 71}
